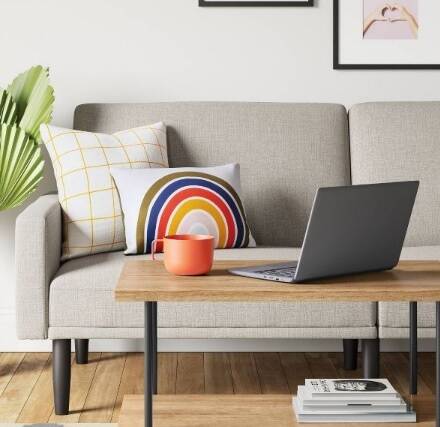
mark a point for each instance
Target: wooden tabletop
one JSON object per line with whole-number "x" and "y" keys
{"x": 149, "y": 281}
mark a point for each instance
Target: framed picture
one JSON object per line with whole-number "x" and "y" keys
{"x": 253, "y": 3}
{"x": 386, "y": 34}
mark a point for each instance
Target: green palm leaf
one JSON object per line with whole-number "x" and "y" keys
{"x": 34, "y": 98}
{"x": 21, "y": 166}
{"x": 8, "y": 108}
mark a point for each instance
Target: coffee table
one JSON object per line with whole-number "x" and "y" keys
{"x": 148, "y": 282}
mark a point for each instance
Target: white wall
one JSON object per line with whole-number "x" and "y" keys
{"x": 170, "y": 50}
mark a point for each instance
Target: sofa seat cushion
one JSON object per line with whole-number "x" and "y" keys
{"x": 396, "y": 315}
{"x": 81, "y": 295}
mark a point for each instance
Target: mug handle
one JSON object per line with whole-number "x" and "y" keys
{"x": 153, "y": 247}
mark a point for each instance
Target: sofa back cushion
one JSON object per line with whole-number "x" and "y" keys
{"x": 401, "y": 141}
{"x": 286, "y": 151}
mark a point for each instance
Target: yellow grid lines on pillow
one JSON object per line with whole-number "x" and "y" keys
{"x": 82, "y": 160}
{"x": 112, "y": 190}
{"x": 86, "y": 173}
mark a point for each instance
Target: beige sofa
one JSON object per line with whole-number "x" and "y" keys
{"x": 286, "y": 152}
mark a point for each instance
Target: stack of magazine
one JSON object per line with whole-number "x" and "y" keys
{"x": 350, "y": 400}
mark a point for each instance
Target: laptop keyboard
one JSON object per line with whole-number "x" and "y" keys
{"x": 283, "y": 272}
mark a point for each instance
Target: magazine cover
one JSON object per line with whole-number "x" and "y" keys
{"x": 339, "y": 387}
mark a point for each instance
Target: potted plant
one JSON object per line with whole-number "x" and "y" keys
{"x": 24, "y": 106}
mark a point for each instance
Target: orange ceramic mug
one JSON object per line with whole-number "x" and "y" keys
{"x": 186, "y": 254}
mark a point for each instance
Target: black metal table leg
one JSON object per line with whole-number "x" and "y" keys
{"x": 437, "y": 364}
{"x": 154, "y": 321}
{"x": 413, "y": 347}
{"x": 149, "y": 351}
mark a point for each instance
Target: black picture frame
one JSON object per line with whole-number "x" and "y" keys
{"x": 338, "y": 66}
{"x": 305, "y": 3}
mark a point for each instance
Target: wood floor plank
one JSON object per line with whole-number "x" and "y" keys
{"x": 427, "y": 369}
{"x": 190, "y": 374}
{"x": 167, "y": 373}
{"x": 212, "y": 410}
{"x": 102, "y": 395}
{"x": 337, "y": 360}
{"x": 81, "y": 381}
{"x": 98, "y": 387}
{"x": 295, "y": 369}
{"x": 218, "y": 379}
{"x": 386, "y": 372}
{"x": 244, "y": 374}
{"x": 39, "y": 405}
{"x": 398, "y": 365}
{"x": 9, "y": 362}
{"x": 270, "y": 373}
{"x": 132, "y": 381}
{"x": 20, "y": 386}
{"x": 320, "y": 365}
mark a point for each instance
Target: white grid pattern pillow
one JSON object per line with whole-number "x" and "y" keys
{"x": 81, "y": 161}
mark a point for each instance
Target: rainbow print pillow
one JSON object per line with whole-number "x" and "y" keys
{"x": 161, "y": 202}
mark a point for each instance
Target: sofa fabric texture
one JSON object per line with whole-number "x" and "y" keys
{"x": 37, "y": 259}
{"x": 98, "y": 275}
{"x": 400, "y": 141}
{"x": 285, "y": 151}
{"x": 397, "y": 142}
{"x": 87, "y": 284}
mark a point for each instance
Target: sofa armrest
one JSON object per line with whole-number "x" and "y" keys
{"x": 37, "y": 259}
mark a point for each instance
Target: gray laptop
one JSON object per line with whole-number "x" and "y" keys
{"x": 355, "y": 229}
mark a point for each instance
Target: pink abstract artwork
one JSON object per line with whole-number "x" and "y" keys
{"x": 393, "y": 19}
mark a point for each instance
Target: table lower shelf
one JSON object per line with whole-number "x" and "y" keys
{"x": 236, "y": 411}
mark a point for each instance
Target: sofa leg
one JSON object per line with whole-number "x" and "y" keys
{"x": 350, "y": 354}
{"x": 61, "y": 375}
{"x": 370, "y": 357}
{"x": 82, "y": 351}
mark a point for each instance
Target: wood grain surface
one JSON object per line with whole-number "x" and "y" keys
{"x": 149, "y": 281}
{"x": 98, "y": 388}
{"x": 237, "y": 411}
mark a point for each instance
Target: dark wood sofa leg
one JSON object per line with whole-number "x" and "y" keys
{"x": 371, "y": 357}
{"x": 82, "y": 351}
{"x": 350, "y": 353}
{"x": 61, "y": 375}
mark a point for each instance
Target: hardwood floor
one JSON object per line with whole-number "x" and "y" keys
{"x": 97, "y": 389}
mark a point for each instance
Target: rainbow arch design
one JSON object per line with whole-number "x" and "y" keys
{"x": 175, "y": 200}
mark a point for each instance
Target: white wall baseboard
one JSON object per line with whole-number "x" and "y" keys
{"x": 9, "y": 343}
